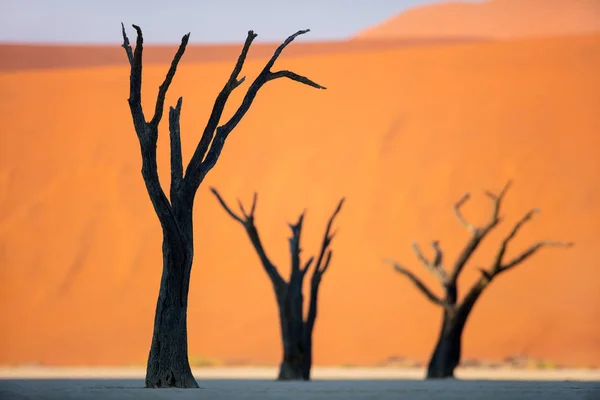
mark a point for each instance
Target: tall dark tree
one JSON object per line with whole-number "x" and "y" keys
{"x": 296, "y": 332}
{"x": 447, "y": 352}
{"x": 168, "y": 364}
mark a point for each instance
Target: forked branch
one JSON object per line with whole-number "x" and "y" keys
{"x": 530, "y": 251}
{"x": 147, "y": 132}
{"x": 321, "y": 266}
{"x": 470, "y": 227}
{"x": 478, "y": 233}
{"x": 436, "y": 266}
{"x": 247, "y": 221}
{"x": 417, "y": 282}
{"x": 325, "y": 253}
{"x": 295, "y": 248}
{"x": 500, "y": 265}
{"x": 214, "y": 136}
{"x": 194, "y": 172}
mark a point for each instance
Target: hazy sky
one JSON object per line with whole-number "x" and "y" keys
{"x": 165, "y": 21}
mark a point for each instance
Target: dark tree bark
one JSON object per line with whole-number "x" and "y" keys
{"x": 447, "y": 352}
{"x": 168, "y": 364}
{"x": 296, "y": 331}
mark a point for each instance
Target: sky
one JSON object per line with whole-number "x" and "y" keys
{"x": 209, "y": 21}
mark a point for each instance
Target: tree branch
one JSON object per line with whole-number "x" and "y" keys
{"x": 530, "y": 251}
{"x": 477, "y": 233}
{"x": 294, "y": 77}
{"x": 307, "y": 266}
{"x": 325, "y": 265}
{"x": 194, "y": 172}
{"x": 499, "y": 265}
{"x": 176, "y": 157}
{"x": 295, "y": 249}
{"x": 459, "y": 215}
{"x": 321, "y": 267}
{"x": 226, "y": 207}
{"x": 436, "y": 267}
{"x": 162, "y": 90}
{"x": 205, "y": 157}
{"x": 497, "y": 199}
{"x": 148, "y": 136}
{"x": 248, "y": 223}
{"x": 314, "y": 293}
{"x": 135, "y": 86}
{"x": 502, "y": 249}
{"x": 467, "y": 304}
{"x": 127, "y": 46}
{"x": 311, "y": 316}
{"x": 417, "y": 282}
{"x": 253, "y": 207}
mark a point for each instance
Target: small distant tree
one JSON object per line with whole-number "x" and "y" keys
{"x": 168, "y": 364}
{"x": 447, "y": 352}
{"x": 296, "y": 332}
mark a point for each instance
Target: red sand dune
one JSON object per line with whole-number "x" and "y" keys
{"x": 401, "y": 133}
{"x": 18, "y": 57}
{"x": 500, "y": 19}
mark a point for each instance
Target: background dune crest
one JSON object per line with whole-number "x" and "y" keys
{"x": 497, "y": 19}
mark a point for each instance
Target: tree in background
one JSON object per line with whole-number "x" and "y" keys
{"x": 296, "y": 332}
{"x": 447, "y": 353}
{"x": 168, "y": 364}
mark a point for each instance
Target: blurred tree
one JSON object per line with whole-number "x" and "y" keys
{"x": 168, "y": 364}
{"x": 296, "y": 332}
{"x": 447, "y": 353}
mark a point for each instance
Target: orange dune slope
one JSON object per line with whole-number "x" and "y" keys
{"x": 401, "y": 133}
{"x": 19, "y": 57}
{"x": 500, "y": 19}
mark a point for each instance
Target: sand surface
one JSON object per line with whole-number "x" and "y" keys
{"x": 402, "y": 133}
{"x": 328, "y": 383}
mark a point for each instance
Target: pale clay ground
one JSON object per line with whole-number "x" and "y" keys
{"x": 329, "y": 383}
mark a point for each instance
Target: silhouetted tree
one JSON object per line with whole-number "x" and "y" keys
{"x": 168, "y": 364}
{"x": 296, "y": 332}
{"x": 447, "y": 353}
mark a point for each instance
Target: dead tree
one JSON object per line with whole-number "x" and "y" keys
{"x": 168, "y": 364}
{"x": 296, "y": 332}
{"x": 447, "y": 353}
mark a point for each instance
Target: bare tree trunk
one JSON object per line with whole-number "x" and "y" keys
{"x": 447, "y": 352}
{"x": 308, "y": 328}
{"x": 297, "y": 355}
{"x": 291, "y": 367}
{"x": 296, "y": 335}
{"x": 307, "y": 360}
{"x": 446, "y": 355}
{"x": 293, "y": 332}
{"x": 296, "y": 332}
{"x": 168, "y": 364}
